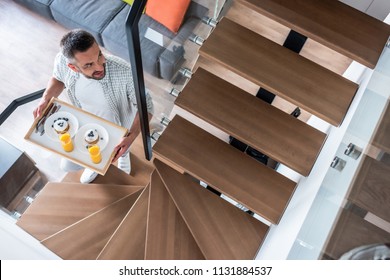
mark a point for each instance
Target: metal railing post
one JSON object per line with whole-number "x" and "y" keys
{"x": 134, "y": 47}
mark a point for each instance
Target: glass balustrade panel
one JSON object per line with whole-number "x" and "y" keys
{"x": 316, "y": 238}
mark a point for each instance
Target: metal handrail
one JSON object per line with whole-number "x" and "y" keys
{"x": 18, "y": 102}
{"x": 134, "y": 47}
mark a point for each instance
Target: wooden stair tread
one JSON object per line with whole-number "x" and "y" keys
{"x": 128, "y": 241}
{"x": 370, "y": 189}
{"x": 60, "y": 205}
{"x": 335, "y": 25}
{"x": 277, "y": 32}
{"x": 280, "y": 71}
{"x": 141, "y": 169}
{"x": 85, "y": 239}
{"x": 200, "y": 154}
{"x": 168, "y": 237}
{"x": 140, "y": 175}
{"x": 222, "y": 230}
{"x": 252, "y": 121}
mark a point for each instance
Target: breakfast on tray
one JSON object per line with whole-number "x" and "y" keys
{"x": 91, "y": 136}
{"x": 76, "y": 135}
{"x": 61, "y": 125}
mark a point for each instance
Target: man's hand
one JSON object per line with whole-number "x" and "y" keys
{"x": 53, "y": 89}
{"x": 122, "y": 147}
{"x": 126, "y": 141}
{"x": 41, "y": 107}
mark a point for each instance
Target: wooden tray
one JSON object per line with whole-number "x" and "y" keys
{"x": 115, "y": 133}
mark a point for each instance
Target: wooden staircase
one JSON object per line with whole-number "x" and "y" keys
{"x": 170, "y": 215}
{"x": 221, "y": 230}
{"x": 192, "y": 150}
{"x": 93, "y": 231}
{"x": 164, "y": 227}
{"x": 171, "y": 218}
{"x": 331, "y": 23}
{"x": 252, "y": 121}
{"x": 281, "y": 71}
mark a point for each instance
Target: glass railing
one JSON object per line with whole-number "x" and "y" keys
{"x": 356, "y": 145}
{"x": 169, "y": 58}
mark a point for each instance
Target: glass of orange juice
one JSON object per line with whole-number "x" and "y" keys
{"x": 94, "y": 152}
{"x": 66, "y": 142}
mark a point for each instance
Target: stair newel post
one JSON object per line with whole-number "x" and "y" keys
{"x": 134, "y": 47}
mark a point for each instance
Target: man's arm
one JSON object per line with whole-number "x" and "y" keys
{"x": 126, "y": 142}
{"x": 53, "y": 89}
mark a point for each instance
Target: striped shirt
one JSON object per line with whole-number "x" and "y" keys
{"x": 118, "y": 87}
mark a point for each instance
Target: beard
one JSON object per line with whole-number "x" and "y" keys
{"x": 97, "y": 75}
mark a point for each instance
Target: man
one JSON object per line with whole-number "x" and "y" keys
{"x": 98, "y": 84}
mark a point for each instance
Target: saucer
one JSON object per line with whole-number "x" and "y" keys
{"x": 82, "y": 145}
{"x": 49, "y": 124}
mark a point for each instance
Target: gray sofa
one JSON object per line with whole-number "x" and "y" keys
{"x": 105, "y": 19}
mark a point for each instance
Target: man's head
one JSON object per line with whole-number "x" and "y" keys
{"x": 83, "y": 54}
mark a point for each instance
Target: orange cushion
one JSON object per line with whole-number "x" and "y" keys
{"x": 169, "y": 13}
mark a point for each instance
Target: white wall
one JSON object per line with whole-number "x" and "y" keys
{"x": 16, "y": 244}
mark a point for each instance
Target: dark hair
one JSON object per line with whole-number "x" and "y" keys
{"x": 77, "y": 40}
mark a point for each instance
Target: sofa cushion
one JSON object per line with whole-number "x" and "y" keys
{"x": 169, "y": 13}
{"x": 41, "y": 7}
{"x": 114, "y": 35}
{"x": 115, "y": 40}
{"x": 92, "y": 16}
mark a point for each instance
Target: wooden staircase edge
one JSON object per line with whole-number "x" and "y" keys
{"x": 94, "y": 213}
{"x": 263, "y": 228}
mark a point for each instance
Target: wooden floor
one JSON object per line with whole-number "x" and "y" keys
{"x": 29, "y": 45}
